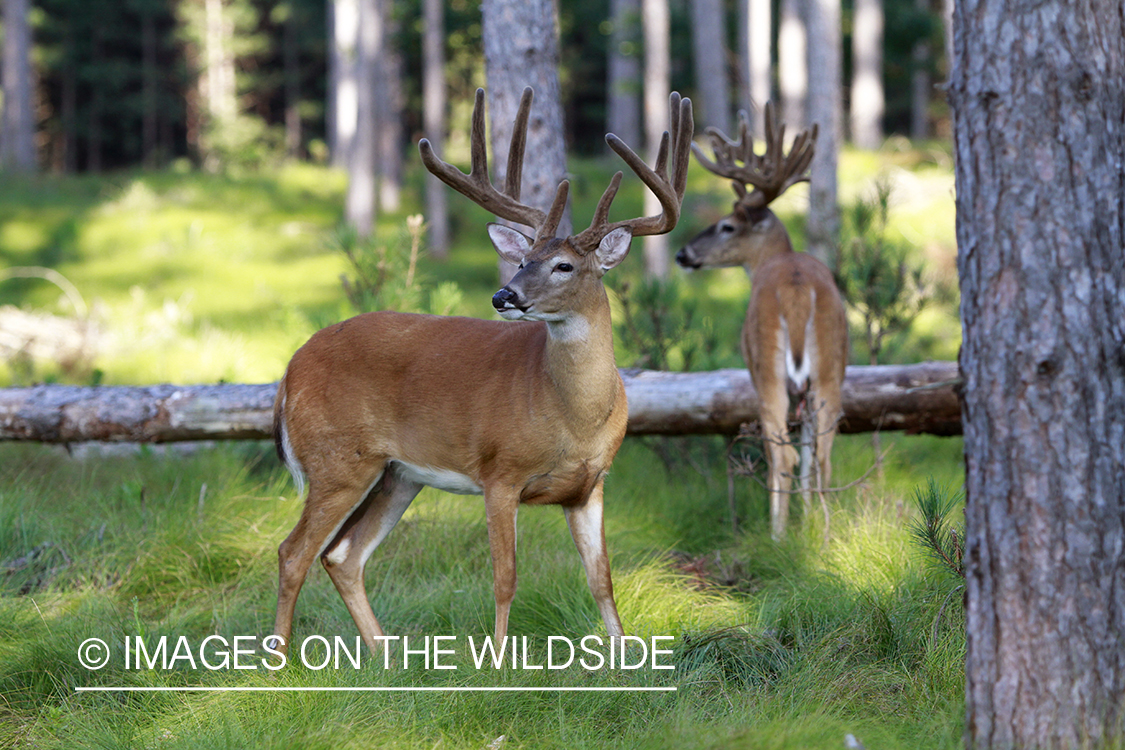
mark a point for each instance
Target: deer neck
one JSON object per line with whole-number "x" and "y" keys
{"x": 579, "y": 361}
{"x": 771, "y": 246}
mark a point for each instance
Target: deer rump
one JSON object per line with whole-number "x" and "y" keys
{"x": 790, "y": 293}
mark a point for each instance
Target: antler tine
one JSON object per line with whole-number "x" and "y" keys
{"x": 771, "y": 173}
{"x": 514, "y": 177}
{"x": 476, "y": 185}
{"x": 668, "y": 188}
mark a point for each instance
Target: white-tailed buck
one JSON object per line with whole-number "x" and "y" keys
{"x": 795, "y": 338}
{"x": 374, "y": 408}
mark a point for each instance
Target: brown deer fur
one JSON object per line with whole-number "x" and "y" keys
{"x": 795, "y": 337}
{"x": 372, "y": 409}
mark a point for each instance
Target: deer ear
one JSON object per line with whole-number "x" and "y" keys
{"x": 512, "y": 245}
{"x": 613, "y": 248}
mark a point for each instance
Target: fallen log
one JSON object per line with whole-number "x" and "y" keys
{"x": 914, "y": 398}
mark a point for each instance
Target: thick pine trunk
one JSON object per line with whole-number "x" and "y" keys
{"x": 916, "y": 398}
{"x": 521, "y": 48}
{"x": 1040, "y": 154}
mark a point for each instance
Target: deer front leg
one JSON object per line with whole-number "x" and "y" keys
{"x": 346, "y": 557}
{"x": 588, "y": 530}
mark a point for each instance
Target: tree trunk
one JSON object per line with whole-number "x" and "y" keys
{"x": 867, "y": 101}
{"x": 343, "y": 85}
{"x": 623, "y": 100}
{"x": 709, "y": 47}
{"x": 658, "y": 83}
{"x": 521, "y": 48}
{"x": 359, "y": 202}
{"x": 1039, "y": 144}
{"x": 218, "y": 92}
{"x": 916, "y": 398}
{"x": 755, "y": 41}
{"x": 433, "y": 122}
{"x": 792, "y": 63}
{"x": 824, "y": 46}
{"x": 17, "y": 137}
{"x": 389, "y": 112}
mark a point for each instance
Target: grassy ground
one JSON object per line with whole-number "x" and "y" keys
{"x": 789, "y": 646}
{"x": 197, "y": 278}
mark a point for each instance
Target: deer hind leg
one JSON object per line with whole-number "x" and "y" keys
{"x": 588, "y": 531}
{"x": 346, "y": 557}
{"x": 780, "y": 455}
{"x": 809, "y": 452}
{"x": 325, "y": 512}
{"x": 501, "y": 506}
{"x": 828, "y": 415}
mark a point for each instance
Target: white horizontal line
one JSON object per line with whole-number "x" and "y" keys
{"x": 198, "y": 689}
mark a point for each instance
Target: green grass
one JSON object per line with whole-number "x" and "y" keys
{"x": 786, "y": 646}
{"x": 199, "y": 278}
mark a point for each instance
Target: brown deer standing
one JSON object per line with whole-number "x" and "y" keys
{"x": 372, "y": 409}
{"x": 795, "y": 338}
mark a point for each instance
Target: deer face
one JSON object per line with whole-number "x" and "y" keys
{"x": 554, "y": 278}
{"x": 744, "y": 237}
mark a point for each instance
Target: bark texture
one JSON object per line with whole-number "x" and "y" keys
{"x": 521, "y": 48}
{"x": 1040, "y": 153}
{"x": 916, "y": 398}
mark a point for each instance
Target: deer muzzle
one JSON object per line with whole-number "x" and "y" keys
{"x": 506, "y": 299}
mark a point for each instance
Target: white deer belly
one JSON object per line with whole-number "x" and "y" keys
{"x": 441, "y": 479}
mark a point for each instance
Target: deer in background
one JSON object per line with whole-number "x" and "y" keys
{"x": 795, "y": 338}
{"x": 372, "y": 409}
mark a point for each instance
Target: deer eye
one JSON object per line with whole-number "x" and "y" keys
{"x": 564, "y": 267}
{"x": 726, "y": 227}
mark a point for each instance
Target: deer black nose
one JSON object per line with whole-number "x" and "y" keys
{"x": 682, "y": 257}
{"x": 504, "y": 298}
